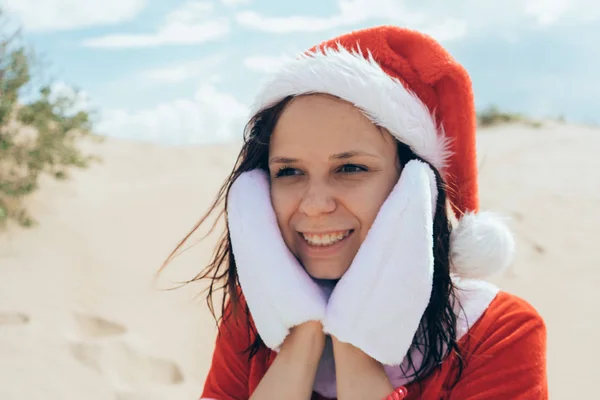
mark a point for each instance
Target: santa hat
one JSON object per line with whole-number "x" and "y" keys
{"x": 409, "y": 84}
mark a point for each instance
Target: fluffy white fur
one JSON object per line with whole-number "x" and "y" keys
{"x": 279, "y": 292}
{"x": 390, "y": 276}
{"x": 481, "y": 245}
{"x": 474, "y": 297}
{"x": 362, "y": 82}
{"x": 378, "y": 303}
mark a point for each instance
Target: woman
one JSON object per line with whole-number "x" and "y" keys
{"x": 354, "y": 246}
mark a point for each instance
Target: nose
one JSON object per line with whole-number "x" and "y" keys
{"x": 317, "y": 199}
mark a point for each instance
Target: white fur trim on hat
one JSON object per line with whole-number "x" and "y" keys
{"x": 362, "y": 82}
{"x": 481, "y": 245}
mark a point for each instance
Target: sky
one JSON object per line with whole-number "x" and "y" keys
{"x": 186, "y": 71}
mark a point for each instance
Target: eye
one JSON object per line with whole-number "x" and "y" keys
{"x": 287, "y": 171}
{"x": 352, "y": 169}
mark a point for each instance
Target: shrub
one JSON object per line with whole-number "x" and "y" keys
{"x": 37, "y": 136}
{"x": 493, "y": 116}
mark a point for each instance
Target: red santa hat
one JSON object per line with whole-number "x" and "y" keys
{"x": 409, "y": 84}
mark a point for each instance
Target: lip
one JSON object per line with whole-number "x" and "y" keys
{"x": 323, "y": 251}
{"x": 330, "y": 231}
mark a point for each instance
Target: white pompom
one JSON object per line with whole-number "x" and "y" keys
{"x": 481, "y": 246}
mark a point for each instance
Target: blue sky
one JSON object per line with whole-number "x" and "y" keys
{"x": 185, "y": 71}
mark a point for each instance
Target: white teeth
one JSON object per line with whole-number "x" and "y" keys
{"x": 325, "y": 239}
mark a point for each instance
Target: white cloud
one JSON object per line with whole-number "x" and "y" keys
{"x": 254, "y": 20}
{"x": 263, "y": 64}
{"x": 550, "y": 12}
{"x": 352, "y": 12}
{"x": 546, "y": 11}
{"x": 445, "y": 20}
{"x": 192, "y": 22}
{"x": 204, "y": 68}
{"x": 233, "y": 3}
{"x": 80, "y": 98}
{"x": 56, "y": 15}
{"x": 209, "y": 117}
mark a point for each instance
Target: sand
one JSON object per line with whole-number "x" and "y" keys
{"x": 82, "y": 318}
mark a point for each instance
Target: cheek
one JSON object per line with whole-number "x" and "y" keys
{"x": 284, "y": 204}
{"x": 364, "y": 209}
{"x": 365, "y": 204}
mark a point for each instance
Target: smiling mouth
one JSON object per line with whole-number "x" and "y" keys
{"x": 325, "y": 239}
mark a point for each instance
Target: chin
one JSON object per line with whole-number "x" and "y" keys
{"x": 326, "y": 270}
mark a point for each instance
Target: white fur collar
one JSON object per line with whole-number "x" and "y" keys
{"x": 474, "y": 297}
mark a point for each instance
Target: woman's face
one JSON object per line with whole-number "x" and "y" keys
{"x": 331, "y": 169}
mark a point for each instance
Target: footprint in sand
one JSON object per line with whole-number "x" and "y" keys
{"x": 91, "y": 326}
{"x": 13, "y": 318}
{"x": 88, "y": 353}
{"x": 125, "y": 365}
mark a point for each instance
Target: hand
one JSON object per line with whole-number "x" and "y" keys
{"x": 292, "y": 374}
{"x": 358, "y": 376}
{"x": 307, "y": 332}
{"x": 279, "y": 292}
{"x": 378, "y": 304}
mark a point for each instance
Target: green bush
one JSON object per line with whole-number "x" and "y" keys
{"x": 493, "y": 116}
{"x": 37, "y": 136}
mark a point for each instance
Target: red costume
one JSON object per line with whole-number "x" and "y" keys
{"x": 505, "y": 354}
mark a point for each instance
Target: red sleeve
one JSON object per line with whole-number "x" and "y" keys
{"x": 508, "y": 358}
{"x": 228, "y": 376}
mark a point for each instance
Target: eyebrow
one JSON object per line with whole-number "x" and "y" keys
{"x": 349, "y": 154}
{"x": 338, "y": 156}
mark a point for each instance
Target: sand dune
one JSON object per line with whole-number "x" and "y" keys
{"x": 81, "y": 318}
